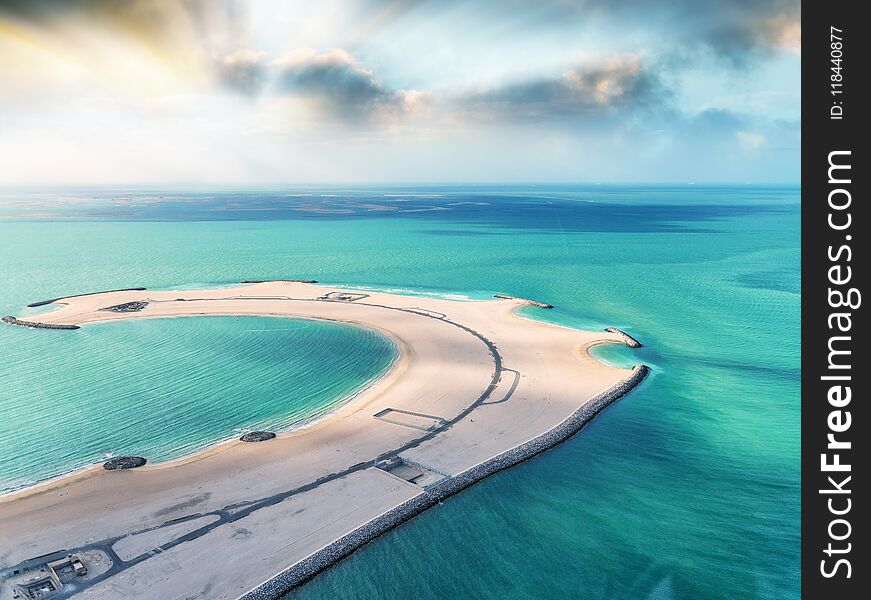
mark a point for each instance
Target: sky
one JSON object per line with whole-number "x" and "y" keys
{"x": 100, "y": 92}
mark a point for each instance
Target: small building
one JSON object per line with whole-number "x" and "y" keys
{"x": 45, "y": 576}
{"x": 41, "y": 587}
{"x": 388, "y": 463}
{"x": 67, "y": 567}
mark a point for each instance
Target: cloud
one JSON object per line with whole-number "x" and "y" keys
{"x": 723, "y": 128}
{"x": 342, "y": 86}
{"x": 217, "y": 72}
{"x": 162, "y": 24}
{"x": 244, "y": 71}
{"x": 740, "y": 31}
{"x": 618, "y": 84}
{"x": 136, "y": 48}
{"x": 733, "y": 30}
{"x": 784, "y": 31}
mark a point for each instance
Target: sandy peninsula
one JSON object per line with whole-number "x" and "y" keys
{"x": 477, "y": 388}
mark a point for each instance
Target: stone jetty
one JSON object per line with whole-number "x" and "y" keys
{"x": 284, "y": 280}
{"x": 627, "y": 339}
{"x": 257, "y": 436}
{"x": 310, "y": 498}
{"x": 530, "y": 302}
{"x": 34, "y": 324}
{"x": 124, "y": 462}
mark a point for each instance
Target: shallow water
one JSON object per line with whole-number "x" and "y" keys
{"x": 687, "y": 488}
{"x": 163, "y": 388}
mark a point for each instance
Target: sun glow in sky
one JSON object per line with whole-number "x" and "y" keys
{"x": 216, "y": 91}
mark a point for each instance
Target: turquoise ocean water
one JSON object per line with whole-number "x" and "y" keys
{"x": 686, "y": 489}
{"x": 165, "y": 388}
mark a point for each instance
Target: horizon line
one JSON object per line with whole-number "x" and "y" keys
{"x": 394, "y": 184}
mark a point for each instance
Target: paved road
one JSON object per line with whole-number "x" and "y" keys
{"x": 235, "y": 512}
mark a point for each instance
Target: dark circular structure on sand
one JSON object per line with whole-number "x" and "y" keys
{"x": 257, "y": 436}
{"x": 124, "y": 462}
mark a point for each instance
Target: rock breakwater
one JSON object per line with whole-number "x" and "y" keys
{"x": 307, "y": 568}
{"x": 34, "y": 324}
{"x": 530, "y": 302}
{"x": 627, "y": 339}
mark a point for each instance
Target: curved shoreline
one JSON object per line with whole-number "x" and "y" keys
{"x": 396, "y": 366}
{"x": 480, "y": 388}
{"x": 298, "y": 574}
{"x": 344, "y": 403}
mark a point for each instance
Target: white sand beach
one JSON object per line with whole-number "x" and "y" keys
{"x": 473, "y": 380}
